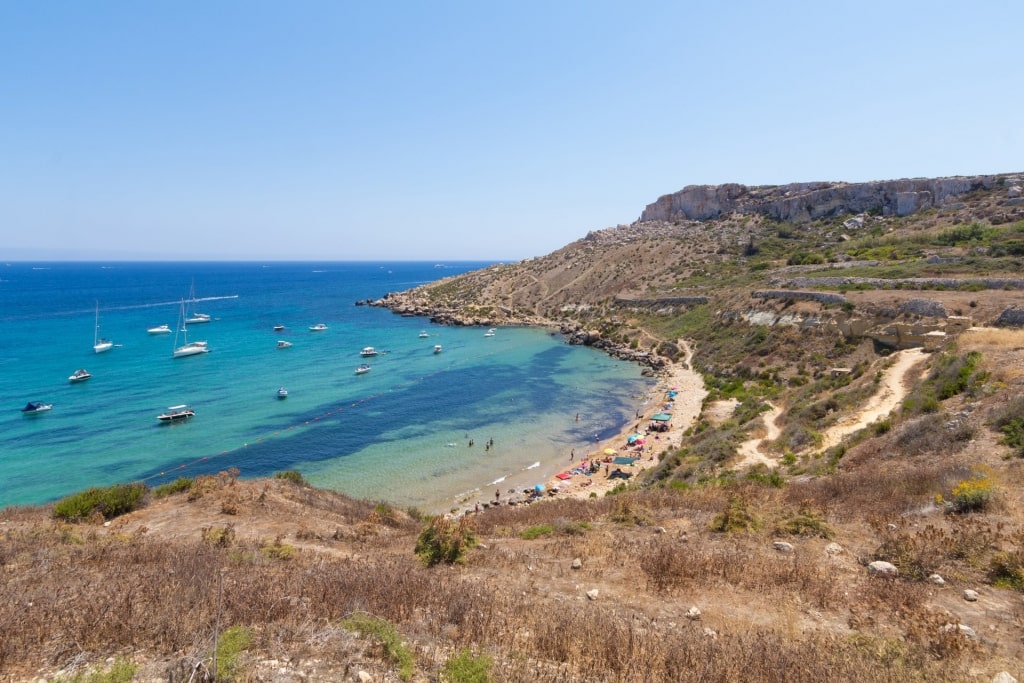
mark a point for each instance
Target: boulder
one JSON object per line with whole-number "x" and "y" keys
{"x": 881, "y": 568}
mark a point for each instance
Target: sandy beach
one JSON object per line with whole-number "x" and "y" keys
{"x": 679, "y": 392}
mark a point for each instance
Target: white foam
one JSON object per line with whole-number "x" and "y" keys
{"x": 530, "y": 467}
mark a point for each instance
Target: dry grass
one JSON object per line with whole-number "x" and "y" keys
{"x": 82, "y": 593}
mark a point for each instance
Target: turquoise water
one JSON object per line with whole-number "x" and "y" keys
{"x": 399, "y": 433}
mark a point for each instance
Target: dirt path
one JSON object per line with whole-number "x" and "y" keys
{"x": 893, "y": 389}
{"x": 750, "y": 451}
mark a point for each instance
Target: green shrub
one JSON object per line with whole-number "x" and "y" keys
{"x": 395, "y": 651}
{"x": 537, "y": 531}
{"x": 465, "y": 667}
{"x": 1007, "y": 571}
{"x": 735, "y": 517}
{"x": 230, "y": 646}
{"x": 108, "y": 502}
{"x": 179, "y": 485}
{"x": 293, "y": 476}
{"x": 1010, "y": 421}
{"x": 807, "y": 522}
{"x": 445, "y": 541}
{"x": 974, "y": 494}
{"x": 121, "y": 671}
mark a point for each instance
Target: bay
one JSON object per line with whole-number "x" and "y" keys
{"x": 401, "y": 433}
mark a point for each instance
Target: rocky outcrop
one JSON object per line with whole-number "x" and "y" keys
{"x": 804, "y": 202}
{"x": 1011, "y": 317}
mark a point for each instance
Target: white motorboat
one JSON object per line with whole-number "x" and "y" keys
{"x": 282, "y": 393}
{"x": 176, "y": 414}
{"x": 319, "y": 327}
{"x": 489, "y": 333}
{"x": 423, "y": 334}
{"x": 36, "y": 407}
{"x": 159, "y": 329}
{"x": 362, "y": 369}
{"x": 437, "y": 348}
{"x": 79, "y": 375}
{"x": 187, "y": 348}
{"x": 368, "y": 351}
{"x": 282, "y": 344}
{"x": 278, "y": 328}
{"x": 99, "y": 344}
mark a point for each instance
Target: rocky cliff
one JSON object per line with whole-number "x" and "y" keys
{"x": 803, "y": 202}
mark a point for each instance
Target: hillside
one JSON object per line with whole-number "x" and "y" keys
{"x": 865, "y": 373}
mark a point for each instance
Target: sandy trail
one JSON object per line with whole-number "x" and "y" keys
{"x": 894, "y": 387}
{"x": 750, "y": 451}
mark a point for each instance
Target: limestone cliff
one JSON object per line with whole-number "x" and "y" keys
{"x": 803, "y": 202}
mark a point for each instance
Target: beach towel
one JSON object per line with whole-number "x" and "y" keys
{"x": 564, "y": 475}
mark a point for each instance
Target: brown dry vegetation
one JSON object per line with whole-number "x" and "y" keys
{"x": 659, "y": 594}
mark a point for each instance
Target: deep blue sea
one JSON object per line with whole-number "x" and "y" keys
{"x": 399, "y": 433}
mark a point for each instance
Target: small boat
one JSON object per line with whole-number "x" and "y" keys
{"x": 319, "y": 327}
{"x": 437, "y": 348}
{"x": 176, "y": 414}
{"x": 36, "y": 407}
{"x": 159, "y": 329}
{"x": 79, "y": 375}
{"x": 282, "y": 393}
{"x": 362, "y": 369}
{"x": 282, "y": 344}
{"x": 489, "y": 333}
{"x": 423, "y": 334}
{"x": 278, "y": 328}
{"x": 99, "y": 344}
{"x": 368, "y": 351}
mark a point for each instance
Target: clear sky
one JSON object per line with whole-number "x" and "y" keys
{"x": 328, "y": 129}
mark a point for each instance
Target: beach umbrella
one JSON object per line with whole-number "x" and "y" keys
{"x": 539, "y": 488}
{"x": 610, "y": 451}
{"x": 661, "y": 417}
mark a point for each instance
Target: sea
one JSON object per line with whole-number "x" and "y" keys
{"x": 421, "y": 429}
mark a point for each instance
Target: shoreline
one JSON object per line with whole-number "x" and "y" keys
{"x": 563, "y": 479}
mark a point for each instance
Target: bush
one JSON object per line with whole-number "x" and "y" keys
{"x": 108, "y": 502}
{"x": 179, "y": 485}
{"x": 735, "y": 517}
{"x": 445, "y": 541}
{"x": 974, "y": 494}
{"x": 121, "y": 671}
{"x": 807, "y": 522}
{"x": 537, "y": 531}
{"x": 293, "y": 476}
{"x": 1010, "y": 421}
{"x": 395, "y": 651}
{"x": 1007, "y": 571}
{"x": 465, "y": 667}
{"x": 230, "y": 646}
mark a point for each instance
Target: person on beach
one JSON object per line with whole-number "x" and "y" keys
{"x": 572, "y": 455}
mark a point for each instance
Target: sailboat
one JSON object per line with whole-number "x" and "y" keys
{"x": 187, "y": 348}
{"x": 99, "y": 344}
{"x": 195, "y": 318}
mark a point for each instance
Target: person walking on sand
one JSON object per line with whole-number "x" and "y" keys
{"x": 572, "y": 455}
{"x": 497, "y": 495}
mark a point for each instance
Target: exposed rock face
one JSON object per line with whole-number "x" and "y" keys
{"x": 803, "y": 202}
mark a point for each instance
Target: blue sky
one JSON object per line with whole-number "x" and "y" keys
{"x": 262, "y": 130}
